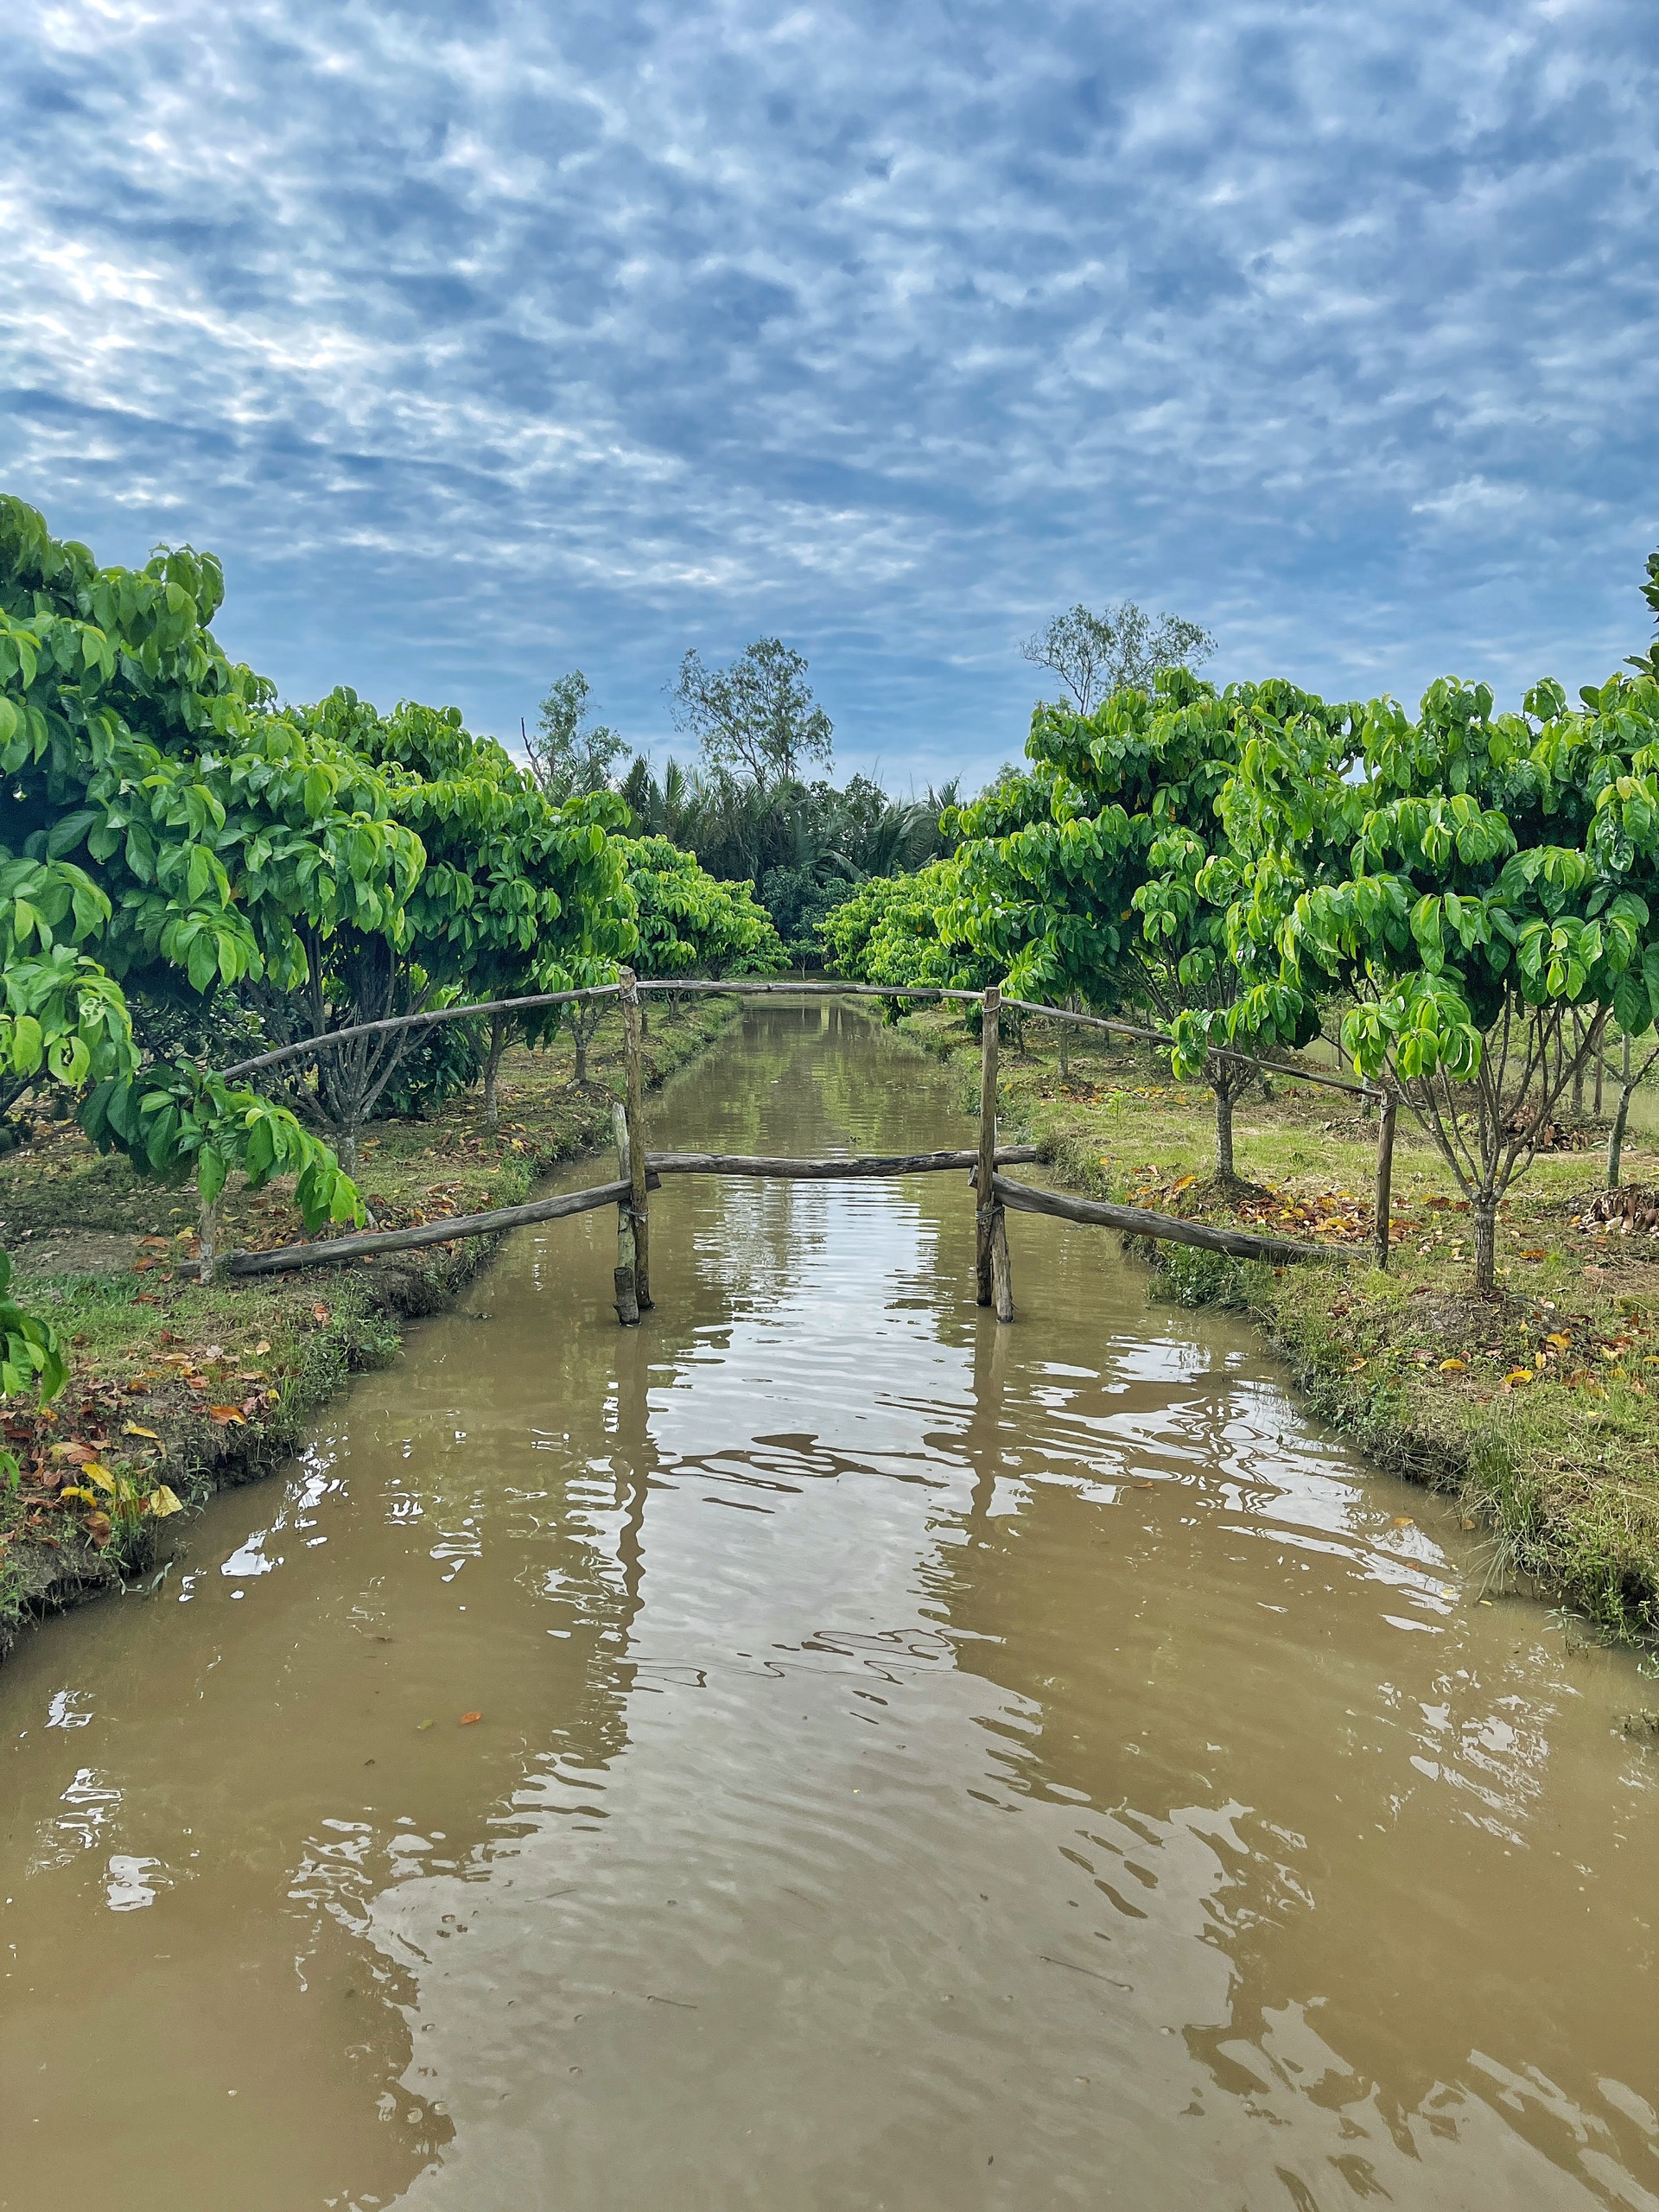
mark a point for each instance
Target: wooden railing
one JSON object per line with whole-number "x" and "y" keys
{"x": 640, "y": 1171}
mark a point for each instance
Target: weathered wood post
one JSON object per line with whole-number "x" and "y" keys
{"x": 635, "y": 1103}
{"x": 1384, "y": 1177}
{"x": 1001, "y": 1271}
{"x": 627, "y": 1294}
{"x": 991, "y": 1276}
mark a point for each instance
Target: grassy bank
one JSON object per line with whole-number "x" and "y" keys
{"x": 1540, "y": 1409}
{"x": 177, "y": 1388}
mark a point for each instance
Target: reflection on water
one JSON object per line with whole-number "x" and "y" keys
{"x": 917, "y": 1763}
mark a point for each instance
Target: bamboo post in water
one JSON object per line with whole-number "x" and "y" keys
{"x": 988, "y": 1212}
{"x": 627, "y": 1295}
{"x": 635, "y": 1103}
{"x": 1384, "y": 1177}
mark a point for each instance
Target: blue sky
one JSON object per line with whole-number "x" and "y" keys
{"x": 483, "y": 341}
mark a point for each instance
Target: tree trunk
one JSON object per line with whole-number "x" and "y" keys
{"x": 493, "y": 1066}
{"x": 1601, "y": 1064}
{"x": 1484, "y": 1212}
{"x": 581, "y": 1036}
{"x": 207, "y": 1236}
{"x": 1224, "y": 1170}
{"x": 1615, "y": 1135}
{"x": 1065, "y": 1028}
{"x": 345, "y": 1147}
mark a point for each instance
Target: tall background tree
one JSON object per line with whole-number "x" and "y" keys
{"x": 1094, "y": 655}
{"x": 756, "y": 719}
{"x": 571, "y": 755}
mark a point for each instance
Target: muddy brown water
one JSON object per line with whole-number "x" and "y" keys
{"x": 920, "y": 1764}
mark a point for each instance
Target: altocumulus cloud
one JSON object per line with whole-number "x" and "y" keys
{"x": 482, "y": 339}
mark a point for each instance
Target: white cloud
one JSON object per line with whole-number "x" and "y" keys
{"x": 481, "y": 342}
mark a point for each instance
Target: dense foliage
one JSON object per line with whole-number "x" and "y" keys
{"x": 176, "y": 841}
{"x": 1480, "y": 892}
{"x": 1465, "y": 902}
{"x": 690, "y": 923}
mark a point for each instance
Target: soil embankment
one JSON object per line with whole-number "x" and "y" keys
{"x": 197, "y": 1389}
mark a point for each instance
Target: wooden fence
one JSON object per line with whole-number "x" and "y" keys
{"x": 640, "y": 1171}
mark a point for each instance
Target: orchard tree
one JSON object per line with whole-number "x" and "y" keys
{"x": 1482, "y": 889}
{"x": 118, "y": 714}
{"x": 887, "y": 931}
{"x": 691, "y": 923}
{"x": 515, "y": 897}
{"x": 1101, "y": 871}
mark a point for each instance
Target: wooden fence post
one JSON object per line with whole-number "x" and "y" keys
{"x": 627, "y": 1294}
{"x": 987, "y": 1210}
{"x": 635, "y": 1102}
{"x": 1384, "y": 1179}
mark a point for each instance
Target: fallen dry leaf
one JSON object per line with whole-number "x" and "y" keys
{"x": 133, "y": 1429}
{"x": 468, "y": 1719}
{"x": 1452, "y": 1366}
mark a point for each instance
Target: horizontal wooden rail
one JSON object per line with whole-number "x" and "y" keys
{"x": 334, "y": 1250}
{"x": 365, "y": 1243}
{"x": 427, "y": 1021}
{"x": 749, "y": 987}
{"x": 1223, "y": 1052}
{"x": 833, "y": 1170}
{"x": 1136, "y": 1221}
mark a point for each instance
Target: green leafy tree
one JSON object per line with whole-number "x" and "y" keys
{"x": 1095, "y": 655}
{"x": 514, "y": 896}
{"x": 571, "y": 756}
{"x": 1481, "y": 888}
{"x": 756, "y": 719}
{"x": 1102, "y": 870}
{"x": 120, "y": 718}
{"x": 887, "y": 931}
{"x": 691, "y": 923}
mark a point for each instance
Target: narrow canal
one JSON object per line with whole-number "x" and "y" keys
{"x": 917, "y": 1765}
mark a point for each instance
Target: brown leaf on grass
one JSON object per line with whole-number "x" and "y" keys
{"x": 319, "y": 1312}
{"x": 225, "y": 1415}
{"x": 97, "y": 1527}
